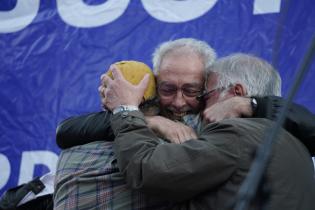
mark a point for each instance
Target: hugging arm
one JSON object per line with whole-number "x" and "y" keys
{"x": 299, "y": 121}
{"x": 96, "y": 126}
{"x": 172, "y": 171}
{"x": 84, "y": 129}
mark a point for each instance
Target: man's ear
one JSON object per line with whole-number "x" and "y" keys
{"x": 239, "y": 90}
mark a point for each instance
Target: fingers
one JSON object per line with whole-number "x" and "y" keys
{"x": 183, "y": 133}
{"x": 209, "y": 116}
{"x": 193, "y": 134}
{"x": 116, "y": 73}
{"x": 101, "y": 90}
{"x": 143, "y": 84}
{"x": 175, "y": 132}
{"x": 103, "y": 80}
{"x": 175, "y": 139}
{"x": 206, "y": 117}
{"x": 217, "y": 114}
{"x": 106, "y": 80}
{"x": 188, "y": 133}
{"x": 107, "y": 87}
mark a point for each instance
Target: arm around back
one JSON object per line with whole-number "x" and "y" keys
{"x": 84, "y": 129}
{"x": 299, "y": 121}
{"x": 172, "y": 171}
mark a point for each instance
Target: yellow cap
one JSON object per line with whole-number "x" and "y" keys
{"x": 134, "y": 71}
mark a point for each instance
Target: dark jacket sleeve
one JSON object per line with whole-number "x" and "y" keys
{"x": 299, "y": 121}
{"x": 84, "y": 129}
{"x": 172, "y": 171}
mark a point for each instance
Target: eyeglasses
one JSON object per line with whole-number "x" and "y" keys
{"x": 170, "y": 90}
{"x": 207, "y": 94}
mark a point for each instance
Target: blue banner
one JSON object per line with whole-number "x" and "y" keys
{"x": 52, "y": 54}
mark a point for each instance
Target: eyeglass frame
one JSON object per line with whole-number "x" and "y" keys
{"x": 182, "y": 89}
{"x": 202, "y": 96}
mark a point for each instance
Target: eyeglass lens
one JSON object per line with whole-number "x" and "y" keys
{"x": 188, "y": 90}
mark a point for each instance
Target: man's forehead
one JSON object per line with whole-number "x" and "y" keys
{"x": 179, "y": 79}
{"x": 181, "y": 70}
{"x": 181, "y": 58}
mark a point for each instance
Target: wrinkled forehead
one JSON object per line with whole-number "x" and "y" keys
{"x": 181, "y": 80}
{"x": 182, "y": 69}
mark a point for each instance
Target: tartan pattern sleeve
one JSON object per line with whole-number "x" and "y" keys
{"x": 87, "y": 177}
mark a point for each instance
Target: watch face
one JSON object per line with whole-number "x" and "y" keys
{"x": 253, "y": 103}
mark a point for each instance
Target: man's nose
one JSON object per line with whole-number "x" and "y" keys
{"x": 179, "y": 100}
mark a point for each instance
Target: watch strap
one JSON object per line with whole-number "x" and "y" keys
{"x": 125, "y": 108}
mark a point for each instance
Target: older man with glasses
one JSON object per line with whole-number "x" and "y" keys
{"x": 179, "y": 67}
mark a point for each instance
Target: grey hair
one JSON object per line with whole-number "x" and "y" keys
{"x": 257, "y": 75}
{"x": 199, "y": 47}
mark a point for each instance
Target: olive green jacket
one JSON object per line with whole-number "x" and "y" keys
{"x": 206, "y": 173}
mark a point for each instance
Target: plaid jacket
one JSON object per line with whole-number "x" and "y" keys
{"x": 87, "y": 177}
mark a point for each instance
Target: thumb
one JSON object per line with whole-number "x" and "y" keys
{"x": 116, "y": 72}
{"x": 144, "y": 83}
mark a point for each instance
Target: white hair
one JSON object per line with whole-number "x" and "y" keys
{"x": 257, "y": 75}
{"x": 201, "y": 48}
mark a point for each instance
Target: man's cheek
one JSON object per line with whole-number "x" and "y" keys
{"x": 194, "y": 105}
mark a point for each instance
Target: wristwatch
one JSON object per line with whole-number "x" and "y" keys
{"x": 125, "y": 108}
{"x": 253, "y": 104}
